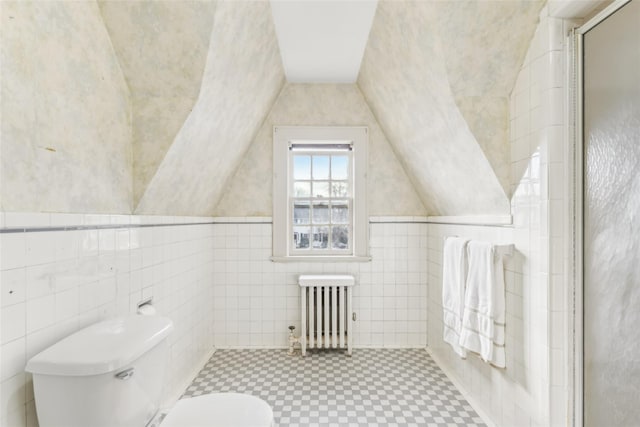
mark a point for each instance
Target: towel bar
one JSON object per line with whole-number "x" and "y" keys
{"x": 501, "y": 250}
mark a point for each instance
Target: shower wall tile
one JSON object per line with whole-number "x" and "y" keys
{"x": 255, "y": 299}
{"x": 54, "y": 282}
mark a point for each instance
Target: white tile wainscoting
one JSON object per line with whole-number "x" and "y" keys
{"x": 255, "y": 299}
{"x": 216, "y": 280}
{"x": 61, "y": 272}
{"x": 68, "y": 271}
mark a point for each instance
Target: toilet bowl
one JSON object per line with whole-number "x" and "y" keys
{"x": 220, "y": 410}
{"x": 111, "y": 374}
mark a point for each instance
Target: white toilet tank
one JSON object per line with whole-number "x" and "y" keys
{"x": 110, "y": 374}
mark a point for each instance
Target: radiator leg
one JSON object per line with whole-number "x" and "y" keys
{"x": 303, "y": 331}
{"x": 349, "y": 323}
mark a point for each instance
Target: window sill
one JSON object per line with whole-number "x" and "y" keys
{"x": 321, "y": 258}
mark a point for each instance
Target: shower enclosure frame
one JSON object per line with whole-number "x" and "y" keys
{"x": 576, "y": 159}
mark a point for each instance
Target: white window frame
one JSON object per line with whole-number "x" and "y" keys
{"x": 283, "y": 136}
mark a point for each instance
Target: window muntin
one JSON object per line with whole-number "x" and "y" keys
{"x": 320, "y": 199}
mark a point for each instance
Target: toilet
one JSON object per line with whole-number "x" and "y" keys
{"x": 111, "y": 374}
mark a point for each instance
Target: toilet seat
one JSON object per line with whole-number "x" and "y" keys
{"x": 220, "y": 409}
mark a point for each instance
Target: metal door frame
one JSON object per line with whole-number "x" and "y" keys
{"x": 578, "y": 205}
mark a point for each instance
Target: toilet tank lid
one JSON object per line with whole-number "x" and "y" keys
{"x": 102, "y": 347}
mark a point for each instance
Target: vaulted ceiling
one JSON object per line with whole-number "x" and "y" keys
{"x": 204, "y": 75}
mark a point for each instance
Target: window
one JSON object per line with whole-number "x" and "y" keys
{"x": 320, "y": 198}
{"x": 319, "y": 192}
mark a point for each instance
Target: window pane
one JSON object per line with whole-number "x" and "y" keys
{"x": 301, "y": 189}
{"x": 340, "y": 189}
{"x": 301, "y": 212}
{"x": 321, "y": 189}
{"x": 301, "y": 167}
{"x": 301, "y": 237}
{"x": 320, "y": 167}
{"x": 320, "y": 237}
{"x": 340, "y": 237}
{"x": 321, "y": 213}
{"x": 339, "y": 167}
{"x": 340, "y": 212}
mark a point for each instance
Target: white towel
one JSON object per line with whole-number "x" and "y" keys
{"x": 454, "y": 270}
{"x": 483, "y": 320}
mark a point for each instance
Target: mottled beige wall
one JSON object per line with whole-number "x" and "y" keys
{"x": 404, "y": 79}
{"x": 242, "y": 78}
{"x": 488, "y": 121}
{"x": 484, "y": 44}
{"x": 389, "y": 190}
{"x": 65, "y": 133}
{"x": 162, "y": 47}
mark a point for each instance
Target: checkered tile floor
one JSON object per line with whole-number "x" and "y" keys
{"x": 375, "y": 387}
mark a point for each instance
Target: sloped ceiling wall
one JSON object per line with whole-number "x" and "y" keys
{"x": 201, "y": 76}
{"x": 485, "y": 43}
{"x": 162, "y": 47}
{"x": 438, "y": 75}
{"x": 242, "y": 78}
{"x": 389, "y": 192}
{"x": 65, "y": 111}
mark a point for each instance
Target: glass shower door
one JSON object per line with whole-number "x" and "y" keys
{"x": 612, "y": 220}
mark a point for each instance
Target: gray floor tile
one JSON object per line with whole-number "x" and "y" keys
{"x": 382, "y": 387}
